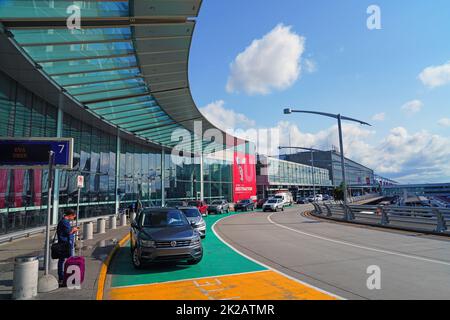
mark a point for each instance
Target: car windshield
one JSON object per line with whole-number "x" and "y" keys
{"x": 244, "y": 201}
{"x": 192, "y": 203}
{"x": 272, "y": 201}
{"x": 191, "y": 213}
{"x": 171, "y": 218}
{"x": 217, "y": 202}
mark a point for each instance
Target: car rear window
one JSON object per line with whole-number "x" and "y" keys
{"x": 191, "y": 213}
{"x": 171, "y": 218}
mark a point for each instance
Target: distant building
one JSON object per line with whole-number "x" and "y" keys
{"x": 359, "y": 177}
{"x": 273, "y": 174}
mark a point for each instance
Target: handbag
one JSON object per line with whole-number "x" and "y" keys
{"x": 60, "y": 250}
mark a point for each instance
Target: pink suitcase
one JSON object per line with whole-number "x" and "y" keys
{"x": 74, "y": 261}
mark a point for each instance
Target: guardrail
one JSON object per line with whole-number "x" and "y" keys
{"x": 420, "y": 219}
{"x": 33, "y": 231}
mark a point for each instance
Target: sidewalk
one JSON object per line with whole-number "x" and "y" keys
{"x": 95, "y": 251}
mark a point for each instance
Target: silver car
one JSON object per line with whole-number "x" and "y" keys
{"x": 273, "y": 205}
{"x": 195, "y": 219}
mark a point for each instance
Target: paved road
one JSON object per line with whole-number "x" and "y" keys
{"x": 335, "y": 257}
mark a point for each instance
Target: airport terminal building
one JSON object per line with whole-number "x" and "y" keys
{"x": 118, "y": 86}
{"x": 359, "y": 178}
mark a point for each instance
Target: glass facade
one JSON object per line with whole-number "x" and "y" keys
{"x": 23, "y": 198}
{"x": 285, "y": 173}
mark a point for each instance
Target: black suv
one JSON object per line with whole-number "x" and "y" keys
{"x": 245, "y": 205}
{"x": 162, "y": 235}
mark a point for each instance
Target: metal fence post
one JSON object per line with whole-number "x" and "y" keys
{"x": 329, "y": 213}
{"x": 384, "y": 217}
{"x": 441, "y": 224}
{"x": 348, "y": 214}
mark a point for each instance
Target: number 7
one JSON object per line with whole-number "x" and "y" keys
{"x": 62, "y": 147}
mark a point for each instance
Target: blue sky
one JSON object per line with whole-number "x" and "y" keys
{"x": 358, "y": 72}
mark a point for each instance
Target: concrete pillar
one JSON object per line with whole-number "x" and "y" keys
{"x": 202, "y": 191}
{"x": 123, "y": 220}
{"x": 101, "y": 226}
{"x": 117, "y": 204}
{"x": 113, "y": 222}
{"x": 25, "y": 279}
{"x": 59, "y": 128}
{"x": 163, "y": 177}
{"x": 88, "y": 231}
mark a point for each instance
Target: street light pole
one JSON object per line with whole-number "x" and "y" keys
{"x": 341, "y": 147}
{"x": 339, "y": 119}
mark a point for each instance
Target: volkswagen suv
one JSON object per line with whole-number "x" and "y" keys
{"x": 163, "y": 235}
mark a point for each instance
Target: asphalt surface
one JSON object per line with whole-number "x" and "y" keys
{"x": 335, "y": 257}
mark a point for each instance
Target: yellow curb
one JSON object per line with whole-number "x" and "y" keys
{"x": 105, "y": 266}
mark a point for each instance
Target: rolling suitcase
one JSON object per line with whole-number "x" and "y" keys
{"x": 74, "y": 261}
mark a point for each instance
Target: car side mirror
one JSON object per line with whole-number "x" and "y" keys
{"x": 193, "y": 224}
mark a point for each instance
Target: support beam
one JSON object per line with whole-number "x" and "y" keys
{"x": 117, "y": 204}
{"x": 163, "y": 177}
{"x": 59, "y": 129}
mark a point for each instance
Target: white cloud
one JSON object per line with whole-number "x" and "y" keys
{"x": 444, "y": 122}
{"x": 401, "y": 155}
{"x": 413, "y": 106}
{"x": 310, "y": 65}
{"x": 436, "y": 76}
{"x": 270, "y": 63}
{"x": 379, "y": 117}
{"x": 223, "y": 118}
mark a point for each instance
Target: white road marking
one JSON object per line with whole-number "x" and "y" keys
{"x": 359, "y": 246}
{"x": 269, "y": 267}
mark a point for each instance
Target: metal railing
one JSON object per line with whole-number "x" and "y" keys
{"x": 420, "y": 219}
{"x": 33, "y": 231}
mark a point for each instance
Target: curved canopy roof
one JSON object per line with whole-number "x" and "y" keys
{"x": 127, "y": 65}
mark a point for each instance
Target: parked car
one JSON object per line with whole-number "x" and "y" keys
{"x": 245, "y": 205}
{"x": 273, "y": 205}
{"x": 202, "y": 206}
{"x": 219, "y": 207}
{"x": 175, "y": 203}
{"x": 164, "y": 234}
{"x": 195, "y": 219}
{"x": 302, "y": 201}
{"x": 260, "y": 203}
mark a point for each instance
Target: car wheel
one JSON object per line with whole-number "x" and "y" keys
{"x": 137, "y": 263}
{"x": 282, "y": 208}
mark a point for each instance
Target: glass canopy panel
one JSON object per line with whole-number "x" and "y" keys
{"x": 112, "y": 94}
{"x": 120, "y": 102}
{"x": 149, "y": 124}
{"x": 130, "y": 123}
{"x": 135, "y": 112}
{"x": 81, "y": 90}
{"x": 137, "y": 118}
{"x": 156, "y": 131}
{"x": 26, "y": 37}
{"x": 75, "y": 66}
{"x": 80, "y": 78}
{"x": 58, "y": 8}
{"x": 78, "y": 51}
{"x": 117, "y": 110}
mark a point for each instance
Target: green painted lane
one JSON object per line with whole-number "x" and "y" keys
{"x": 218, "y": 259}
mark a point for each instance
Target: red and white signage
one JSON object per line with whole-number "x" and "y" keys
{"x": 244, "y": 177}
{"x": 80, "y": 182}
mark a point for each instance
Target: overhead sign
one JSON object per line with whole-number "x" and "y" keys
{"x": 80, "y": 182}
{"x": 33, "y": 153}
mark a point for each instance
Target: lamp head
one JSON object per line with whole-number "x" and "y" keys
{"x": 287, "y": 111}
